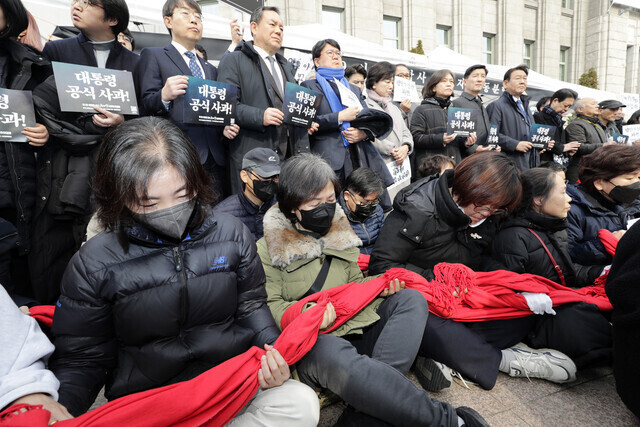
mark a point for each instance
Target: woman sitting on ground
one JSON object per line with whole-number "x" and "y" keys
{"x": 308, "y": 246}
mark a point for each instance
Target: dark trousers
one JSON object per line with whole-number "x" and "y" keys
{"x": 368, "y": 371}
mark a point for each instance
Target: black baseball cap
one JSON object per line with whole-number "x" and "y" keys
{"x": 263, "y": 161}
{"x": 611, "y": 103}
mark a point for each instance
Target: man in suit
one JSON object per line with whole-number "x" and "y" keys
{"x": 261, "y": 75}
{"x": 161, "y": 82}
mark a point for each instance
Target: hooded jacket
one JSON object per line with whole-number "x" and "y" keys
{"x": 427, "y": 227}
{"x": 138, "y": 313}
{"x": 292, "y": 261}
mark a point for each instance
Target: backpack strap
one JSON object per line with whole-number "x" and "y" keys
{"x": 320, "y": 278}
{"x": 556, "y": 267}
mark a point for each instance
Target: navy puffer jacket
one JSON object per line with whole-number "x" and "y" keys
{"x": 368, "y": 230}
{"x": 138, "y": 313}
{"x": 246, "y": 211}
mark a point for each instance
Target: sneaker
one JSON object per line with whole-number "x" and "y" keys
{"x": 542, "y": 363}
{"x": 470, "y": 417}
{"x": 432, "y": 376}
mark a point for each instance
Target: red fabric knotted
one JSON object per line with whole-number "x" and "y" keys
{"x": 609, "y": 241}
{"x": 214, "y": 397}
{"x": 43, "y": 314}
{"x": 363, "y": 261}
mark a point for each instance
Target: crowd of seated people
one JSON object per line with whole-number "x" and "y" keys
{"x": 204, "y": 237}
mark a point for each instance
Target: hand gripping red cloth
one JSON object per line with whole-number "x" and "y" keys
{"x": 457, "y": 293}
{"x": 609, "y": 241}
{"x": 214, "y": 397}
{"x": 43, "y": 314}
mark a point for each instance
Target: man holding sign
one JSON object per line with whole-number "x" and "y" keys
{"x": 162, "y": 81}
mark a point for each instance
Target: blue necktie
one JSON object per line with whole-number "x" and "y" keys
{"x": 522, "y": 110}
{"x": 193, "y": 65}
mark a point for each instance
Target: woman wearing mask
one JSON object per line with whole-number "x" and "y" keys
{"x": 429, "y": 121}
{"x": 531, "y": 242}
{"x": 308, "y": 246}
{"x": 606, "y": 198}
{"x": 169, "y": 290}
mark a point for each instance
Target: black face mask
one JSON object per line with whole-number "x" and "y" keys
{"x": 264, "y": 190}
{"x": 363, "y": 212}
{"x": 625, "y": 194}
{"x": 319, "y": 218}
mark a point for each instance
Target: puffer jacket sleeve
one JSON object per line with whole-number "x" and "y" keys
{"x": 582, "y": 250}
{"x": 86, "y": 349}
{"x": 274, "y": 285}
{"x": 510, "y": 250}
{"x": 253, "y": 312}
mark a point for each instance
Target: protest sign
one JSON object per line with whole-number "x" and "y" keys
{"x": 461, "y": 121}
{"x": 633, "y": 132}
{"x": 348, "y": 98}
{"x": 300, "y": 105}
{"x": 620, "y": 139}
{"x": 541, "y": 135}
{"x": 401, "y": 177}
{"x": 80, "y": 88}
{"x": 16, "y": 113}
{"x": 405, "y": 89}
{"x": 492, "y": 137}
{"x": 207, "y": 102}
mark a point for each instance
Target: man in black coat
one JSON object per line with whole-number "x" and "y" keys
{"x": 511, "y": 114}
{"x": 261, "y": 94}
{"x": 551, "y": 115}
{"x": 474, "y": 80}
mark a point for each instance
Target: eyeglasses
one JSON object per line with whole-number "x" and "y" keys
{"x": 85, "y": 3}
{"x": 186, "y": 14}
{"x": 487, "y": 210}
{"x": 404, "y": 75}
{"x": 124, "y": 38}
{"x": 363, "y": 202}
{"x": 333, "y": 53}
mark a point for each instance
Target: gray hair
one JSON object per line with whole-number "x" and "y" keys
{"x": 579, "y": 103}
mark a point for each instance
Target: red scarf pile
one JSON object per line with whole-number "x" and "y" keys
{"x": 213, "y": 398}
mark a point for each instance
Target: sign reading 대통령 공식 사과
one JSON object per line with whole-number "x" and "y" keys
{"x": 16, "y": 113}
{"x": 541, "y": 135}
{"x": 300, "y": 105}
{"x": 81, "y": 88}
{"x": 207, "y": 102}
{"x": 461, "y": 121}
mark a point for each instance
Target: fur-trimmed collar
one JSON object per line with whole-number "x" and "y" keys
{"x": 286, "y": 245}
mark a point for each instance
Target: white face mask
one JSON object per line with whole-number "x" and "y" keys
{"x": 170, "y": 221}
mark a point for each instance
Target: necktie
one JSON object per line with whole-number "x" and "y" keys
{"x": 522, "y": 110}
{"x": 272, "y": 60}
{"x": 193, "y": 65}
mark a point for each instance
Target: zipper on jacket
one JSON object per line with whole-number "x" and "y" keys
{"x": 367, "y": 233}
{"x": 184, "y": 296}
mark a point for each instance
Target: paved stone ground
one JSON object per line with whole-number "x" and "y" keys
{"x": 589, "y": 401}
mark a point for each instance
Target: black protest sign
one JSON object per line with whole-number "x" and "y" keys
{"x": 207, "y": 102}
{"x": 16, "y": 113}
{"x": 81, "y": 88}
{"x": 461, "y": 121}
{"x": 541, "y": 135}
{"x": 621, "y": 139}
{"x": 492, "y": 137}
{"x": 300, "y": 105}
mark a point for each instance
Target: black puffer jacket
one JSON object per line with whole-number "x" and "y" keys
{"x": 139, "y": 313}
{"x": 520, "y": 251}
{"x": 427, "y": 227}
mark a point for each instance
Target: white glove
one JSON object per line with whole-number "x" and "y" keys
{"x": 539, "y": 303}
{"x": 605, "y": 269}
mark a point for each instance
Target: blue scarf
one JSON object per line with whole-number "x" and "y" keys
{"x": 323, "y": 74}
{"x": 557, "y": 118}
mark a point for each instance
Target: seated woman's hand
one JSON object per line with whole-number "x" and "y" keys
{"x": 394, "y": 286}
{"x": 274, "y": 370}
{"x": 328, "y": 318}
{"x": 58, "y": 411}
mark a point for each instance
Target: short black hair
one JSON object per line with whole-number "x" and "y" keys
{"x": 118, "y": 10}
{"x": 542, "y": 102}
{"x": 355, "y": 69}
{"x": 380, "y": 71}
{"x": 521, "y": 67}
{"x": 316, "y": 50}
{"x": 364, "y": 181}
{"x": 301, "y": 178}
{"x": 433, "y": 164}
{"x": 554, "y": 166}
{"x": 536, "y": 182}
{"x": 15, "y": 17}
{"x": 256, "y": 16}
{"x": 200, "y": 49}
{"x": 471, "y": 69}
{"x": 562, "y": 94}
{"x": 170, "y": 5}
{"x": 428, "y": 91}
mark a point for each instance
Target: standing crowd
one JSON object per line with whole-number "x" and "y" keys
{"x": 169, "y": 248}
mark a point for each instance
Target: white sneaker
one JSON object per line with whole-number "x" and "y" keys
{"x": 432, "y": 376}
{"x": 542, "y": 363}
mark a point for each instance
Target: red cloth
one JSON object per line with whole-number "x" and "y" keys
{"x": 609, "y": 241}
{"x": 363, "y": 262}
{"x": 457, "y": 293}
{"x": 214, "y": 397}
{"x": 24, "y": 416}
{"x": 43, "y": 314}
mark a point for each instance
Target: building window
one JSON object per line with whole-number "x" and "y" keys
{"x": 527, "y": 53}
{"x": 567, "y": 4}
{"x": 209, "y": 7}
{"x": 443, "y": 36}
{"x": 333, "y": 17}
{"x": 391, "y": 31}
{"x": 563, "y": 72}
{"x": 488, "y": 41}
